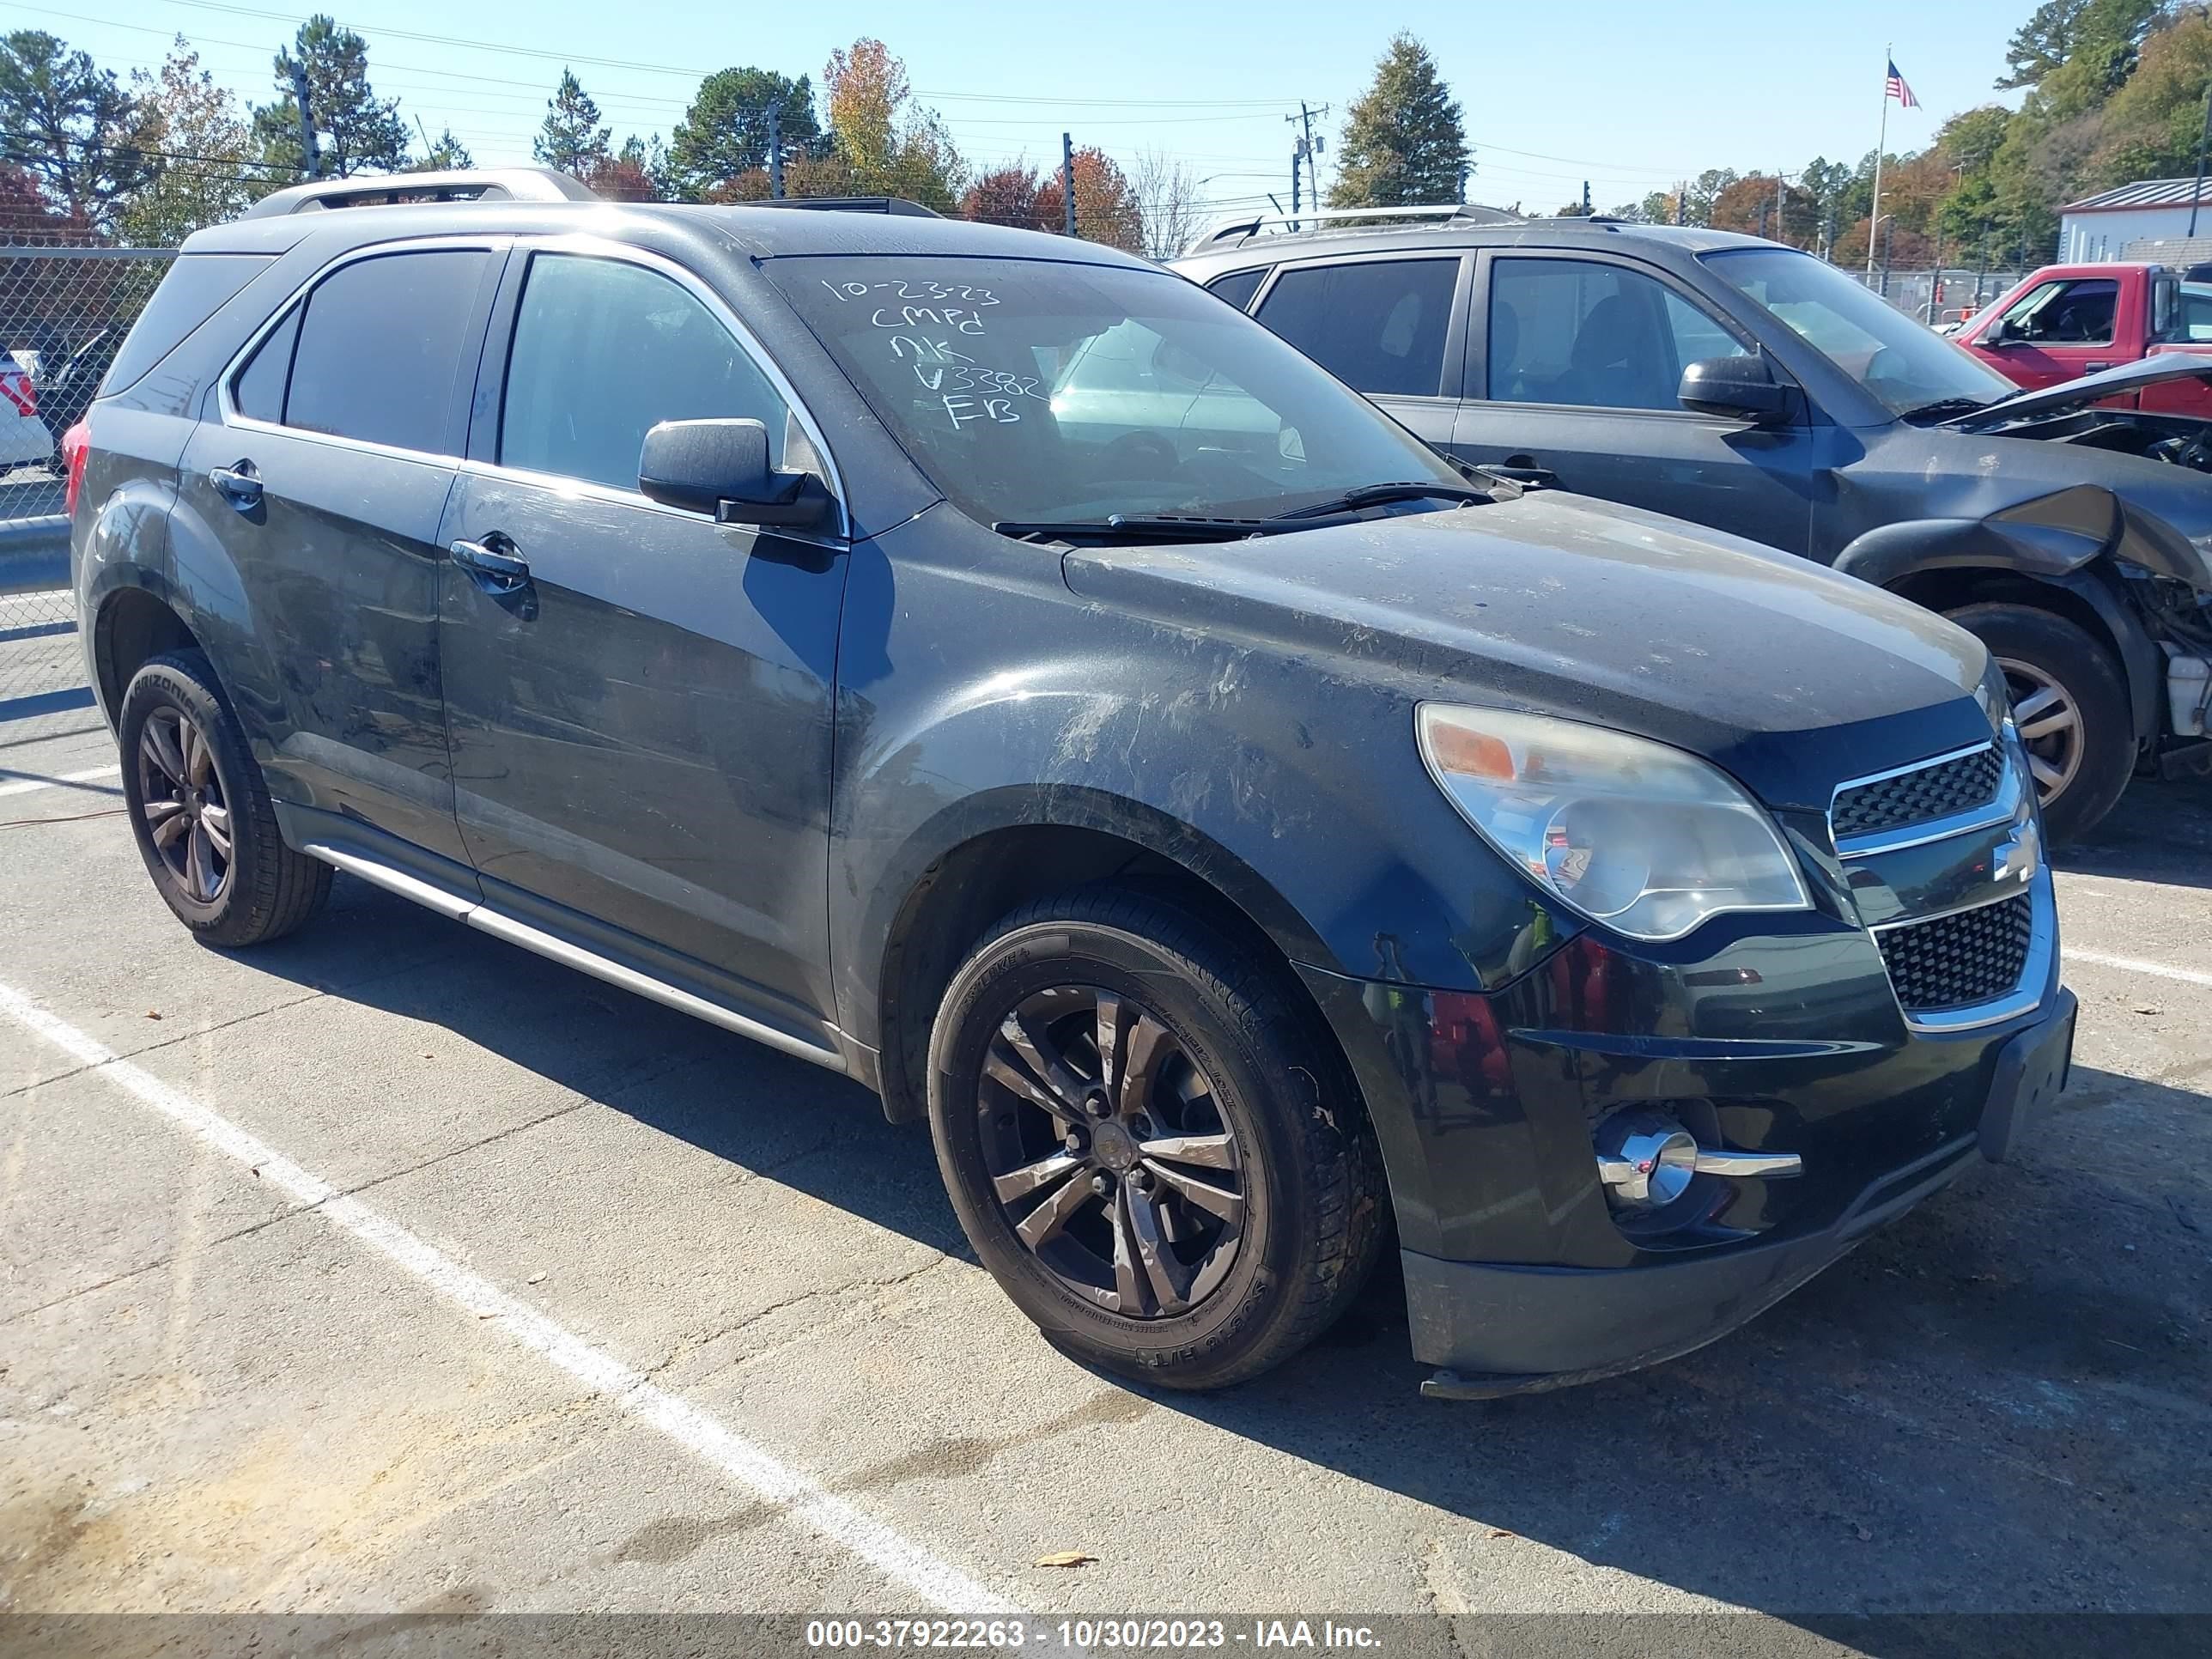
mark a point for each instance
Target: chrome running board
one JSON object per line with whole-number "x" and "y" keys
{"x": 484, "y": 919}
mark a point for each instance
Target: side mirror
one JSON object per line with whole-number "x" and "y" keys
{"x": 1999, "y": 333}
{"x": 1738, "y": 388}
{"x": 721, "y": 468}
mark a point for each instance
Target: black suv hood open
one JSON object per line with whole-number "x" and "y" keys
{"x": 1787, "y": 675}
{"x": 2088, "y": 389}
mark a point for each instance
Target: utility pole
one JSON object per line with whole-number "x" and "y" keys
{"x": 1304, "y": 150}
{"x": 2203, "y": 133}
{"x": 1294, "y": 186}
{"x": 1781, "y": 225}
{"x": 311, "y": 155}
{"x": 1586, "y": 205}
{"x": 776, "y": 152}
{"x": 1067, "y": 184}
{"x": 1682, "y": 202}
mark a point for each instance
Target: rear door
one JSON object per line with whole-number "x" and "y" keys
{"x": 1576, "y": 369}
{"x": 641, "y": 712}
{"x": 322, "y": 481}
{"x": 1390, "y": 325}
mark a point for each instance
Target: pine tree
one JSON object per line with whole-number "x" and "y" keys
{"x": 71, "y": 125}
{"x": 724, "y": 131}
{"x": 1403, "y": 144}
{"x": 356, "y": 132}
{"x": 571, "y": 139}
{"x": 446, "y": 154}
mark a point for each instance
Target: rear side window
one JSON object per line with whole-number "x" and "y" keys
{"x": 380, "y": 346}
{"x": 259, "y": 390}
{"x": 197, "y": 286}
{"x": 603, "y": 351}
{"x": 1377, "y": 324}
{"x": 1237, "y": 287}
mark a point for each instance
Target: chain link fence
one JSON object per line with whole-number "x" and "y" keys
{"x": 63, "y": 313}
{"x": 1939, "y": 298}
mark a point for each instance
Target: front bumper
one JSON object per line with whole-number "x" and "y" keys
{"x": 1503, "y": 1330}
{"x": 1517, "y": 1276}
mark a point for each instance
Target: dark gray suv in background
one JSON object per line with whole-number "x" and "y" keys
{"x": 982, "y": 664}
{"x": 1748, "y": 386}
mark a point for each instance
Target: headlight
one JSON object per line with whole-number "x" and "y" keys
{"x": 1643, "y": 838}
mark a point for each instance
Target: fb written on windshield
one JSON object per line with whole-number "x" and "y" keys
{"x": 1031, "y": 389}
{"x": 927, "y": 331}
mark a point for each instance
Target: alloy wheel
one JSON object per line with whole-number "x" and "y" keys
{"x": 1109, "y": 1154}
{"x": 181, "y": 795}
{"x": 2050, "y": 724}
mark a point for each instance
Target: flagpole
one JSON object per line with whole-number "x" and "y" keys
{"x": 1880, "y": 145}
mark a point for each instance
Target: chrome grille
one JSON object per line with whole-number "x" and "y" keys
{"x": 1921, "y": 796}
{"x": 1957, "y": 961}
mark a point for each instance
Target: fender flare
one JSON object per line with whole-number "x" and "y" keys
{"x": 2050, "y": 555}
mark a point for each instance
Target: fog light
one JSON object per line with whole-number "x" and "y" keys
{"x": 1645, "y": 1161}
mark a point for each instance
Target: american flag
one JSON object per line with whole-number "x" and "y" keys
{"x": 1899, "y": 90}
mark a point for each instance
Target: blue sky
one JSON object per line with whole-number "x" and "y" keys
{"x": 1629, "y": 92}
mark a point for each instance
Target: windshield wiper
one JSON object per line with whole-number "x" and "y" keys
{"x": 1137, "y": 527}
{"x": 1375, "y": 494}
{"x": 1944, "y": 409}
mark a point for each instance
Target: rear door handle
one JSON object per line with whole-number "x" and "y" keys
{"x": 497, "y": 568}
{"x": 239, "y": 484}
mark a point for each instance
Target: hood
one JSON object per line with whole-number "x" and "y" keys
{"x": 1788, "y": 676}
{"x": 2090, "y": 388}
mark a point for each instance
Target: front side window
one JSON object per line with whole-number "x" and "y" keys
{"x": 1037, "y": 391}
{"x": 1578, "y": 333}
{"x": 1377, "y": 324}
{"x": 603, "y": 351}
{"x": 2065, "y": 313}
{"x": 381, "y": 343}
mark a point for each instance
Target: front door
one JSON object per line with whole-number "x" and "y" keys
{"x": 2056, "y": 332}
{"x": 638, "y": 698}
{"x": 322, "y": 486}
{"x": 1577, "y": 372}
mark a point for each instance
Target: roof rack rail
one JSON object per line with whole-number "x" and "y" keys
{"x": 1248, "y": 224}
{"x": 391, "y": 189}
{"x": 893, "y": 204}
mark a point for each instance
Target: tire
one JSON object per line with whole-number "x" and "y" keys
{"x": 2046, "y": 657}
{"x": 258, "y": 890}
{"x": 1223, "y": 1089}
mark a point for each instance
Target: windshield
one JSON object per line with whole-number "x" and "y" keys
{"x": 1036, "y": 391}
{"x": 1903, "y": 365}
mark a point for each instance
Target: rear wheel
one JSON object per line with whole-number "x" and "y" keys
{"x": 2070, "y": 705}
{"x": 1148, "y": 1148}
{"x": 201, "y": 812}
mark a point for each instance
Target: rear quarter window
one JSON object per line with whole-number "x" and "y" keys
{"x": 198, "y": 286}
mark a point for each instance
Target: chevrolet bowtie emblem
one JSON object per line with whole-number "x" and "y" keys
{"x": 2018, "y": 856}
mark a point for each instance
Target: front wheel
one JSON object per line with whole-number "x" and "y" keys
{"x": 1152, "y": 1154}
{"x": 2070, "y": 705}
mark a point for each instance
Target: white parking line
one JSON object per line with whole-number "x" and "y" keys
{"x": 24, "y": 786}
{"x": 2135, "y": 965}
{"x": 628, "y": 1390}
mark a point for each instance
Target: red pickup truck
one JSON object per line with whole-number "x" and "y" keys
{"x": 2065, "y": 321}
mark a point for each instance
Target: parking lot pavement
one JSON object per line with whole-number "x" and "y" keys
{"x": 389, "y": 1268}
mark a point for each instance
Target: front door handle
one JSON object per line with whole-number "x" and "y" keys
{"x": 497, "y": 568}
{"x": 2092, "y": 368}
{"x": 238, "y": 483}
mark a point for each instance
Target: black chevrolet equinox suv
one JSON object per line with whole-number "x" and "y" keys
{"x": 992, "y": 668}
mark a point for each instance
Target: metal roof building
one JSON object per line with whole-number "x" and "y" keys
{"x": 2101, "y": 227}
